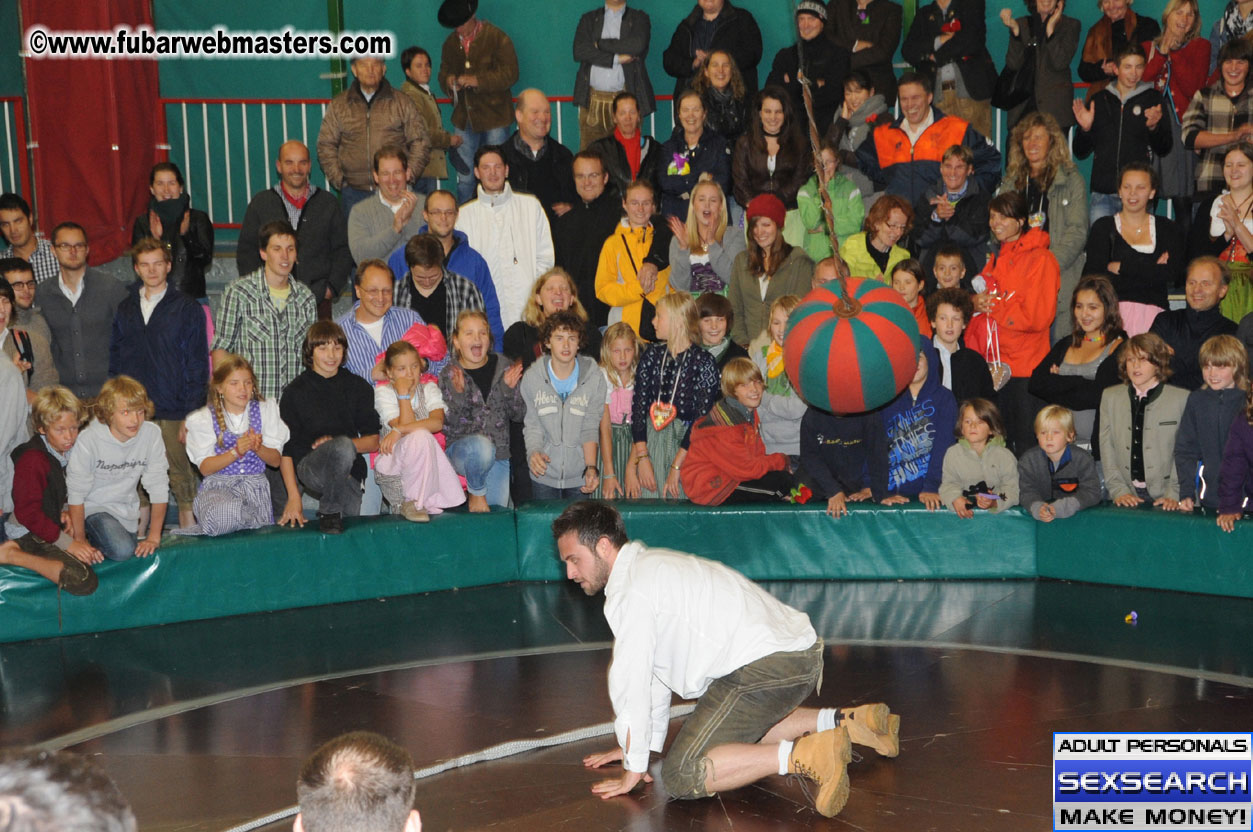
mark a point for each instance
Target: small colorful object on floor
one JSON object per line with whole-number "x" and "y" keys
{"x": 851, "y": 357}
{"x": 1131, "y": 617}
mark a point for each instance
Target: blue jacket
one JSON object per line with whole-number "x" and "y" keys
{"x": 920, "y": 431}
{"x": 712, "y": 156}
{"x": 468, "y": 263}
{"x": 169, "y": 355}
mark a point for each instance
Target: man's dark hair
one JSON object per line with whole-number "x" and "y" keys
{"x": 623, "y": 96}
{"x": 278, "y": 228}
{"x": 409, "y": 54}
{"x": 66, "y": 226}
{"x": 165, "y": 167}
{"x": 485, "y": 149}
{"x": 391, "y": 151}
{"x": 14, "y": 264}
{"x": 47, "y": 790}
{"x": 591, "y": 156}
{"x": 424, "y": 250}
{"x": 358, "y": 782}
{"x": 590, "y": 520}
{"x": 14, "y": 202}
{"x": 911, "y": 77}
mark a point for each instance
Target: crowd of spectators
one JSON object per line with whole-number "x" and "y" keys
{"x": 613, "y": 321}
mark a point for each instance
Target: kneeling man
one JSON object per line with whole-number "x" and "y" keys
{"x": 697, "y": 628}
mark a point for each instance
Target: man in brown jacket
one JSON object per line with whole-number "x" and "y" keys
{"x": 361, "y": 120}
{"x": 417, "y": 65}
{"x": 477, "y": 67}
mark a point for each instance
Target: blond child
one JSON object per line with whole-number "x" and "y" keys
{"x": 1057, "y": 478}
{"x": 232, "y": 440}
{"x": 948, "y": 269}
{"x": 619, "y": 356}
{"x": 979, "y": 469}
{"x": 40, "y": 538}
{"x": 412, "y": 470}
{"x": 1207, "y": 419}
{"x": 781, "y": 408}
{"x": 119, "y": 450}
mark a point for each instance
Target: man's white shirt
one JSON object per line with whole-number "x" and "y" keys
{"x": 680, "y": 622}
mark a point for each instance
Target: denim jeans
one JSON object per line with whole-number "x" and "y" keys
{"x": 540, "y": 491}
{"x": 1102, "y": 205}
{"x": 426, "y": 185}
{"x": 472, "y": 457}
{"x": 327, "y": 472}
{"x": 106, "y": 533}
{"x": 470, "y": 142}
{"x": 350, "y": 196}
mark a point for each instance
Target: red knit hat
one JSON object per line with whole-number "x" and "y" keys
{"x": 765, "y": 205}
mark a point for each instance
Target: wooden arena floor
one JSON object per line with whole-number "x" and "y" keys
{"x": 204, "y": 725}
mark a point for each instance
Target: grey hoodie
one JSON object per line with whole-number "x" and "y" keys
{"x": 103, "y": 471}
{"x": 558, "y": 429}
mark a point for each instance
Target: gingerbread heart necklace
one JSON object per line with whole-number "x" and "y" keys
{"x": 660, "y": 413}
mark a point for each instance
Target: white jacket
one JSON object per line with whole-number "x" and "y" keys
{"x": 511, "y": 231}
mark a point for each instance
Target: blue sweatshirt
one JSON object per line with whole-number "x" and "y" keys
{"x": 919, "y": 432}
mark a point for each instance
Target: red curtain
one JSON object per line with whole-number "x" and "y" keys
{"x": 96, "y": 124}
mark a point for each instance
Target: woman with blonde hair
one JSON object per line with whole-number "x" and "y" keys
{"x": 1040, "y": 168}
{"x": 702, "y": 252}
{"x": 231, "y": 441}
{"x": 551, "y": 292}
{"x": 676, "y": 383}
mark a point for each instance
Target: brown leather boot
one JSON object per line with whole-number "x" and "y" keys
{"x": 824, "y": 758}
{"x": 872, "y": 725}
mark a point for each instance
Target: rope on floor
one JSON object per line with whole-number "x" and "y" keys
{"x": 495, "y": 752}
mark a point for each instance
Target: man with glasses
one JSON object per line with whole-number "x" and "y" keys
{"x": 16, "y": 227}
{"x": 26, "y": 315}
{"x": 430, "y": 289}
{"x": 372, "y": 326}
{"x": 460, "y": 258}
{"x": 79, "y": 307}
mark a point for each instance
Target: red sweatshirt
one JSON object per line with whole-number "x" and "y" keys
{"x": 725, "y": 451}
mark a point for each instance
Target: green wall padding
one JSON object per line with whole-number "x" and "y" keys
{"x": 1148, "y": 548}
{"x": 786, "y": 542}
{"x": 269, "y": 569}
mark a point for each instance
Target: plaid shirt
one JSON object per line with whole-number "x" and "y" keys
{"x": 461, "y": 293}
{"x": 252, "y": 326}
{"x": 1213, "y": 111}
{"x": 43, "y": 261}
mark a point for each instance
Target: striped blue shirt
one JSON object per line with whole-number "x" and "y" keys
{"x": 363, "y": 350}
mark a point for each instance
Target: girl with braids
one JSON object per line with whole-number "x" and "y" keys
{"x": 232, "y": 440}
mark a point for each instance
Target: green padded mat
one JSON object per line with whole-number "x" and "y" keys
{"x": 785, "y": 542}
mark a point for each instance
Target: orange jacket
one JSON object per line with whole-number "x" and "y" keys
{"x": 725, "y": 451}
{"x": 920, "y": 315}
{"x": 1027, "y": 279}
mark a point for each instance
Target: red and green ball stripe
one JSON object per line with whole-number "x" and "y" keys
{"x": 851, "y": 365}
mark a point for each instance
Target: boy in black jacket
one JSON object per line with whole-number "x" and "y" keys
{"x": 962, "y": 370}
{"x": 844, "y": 458}
{"x": 1122, "y": 123}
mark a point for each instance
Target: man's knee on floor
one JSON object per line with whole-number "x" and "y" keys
{"x": 684, "y": 780}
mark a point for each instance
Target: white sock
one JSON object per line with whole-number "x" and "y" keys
{"x": 785, "y": 755}
{"x": 826, "y": 719}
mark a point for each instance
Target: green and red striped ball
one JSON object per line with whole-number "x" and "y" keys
{"x": 851, "y": 365}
